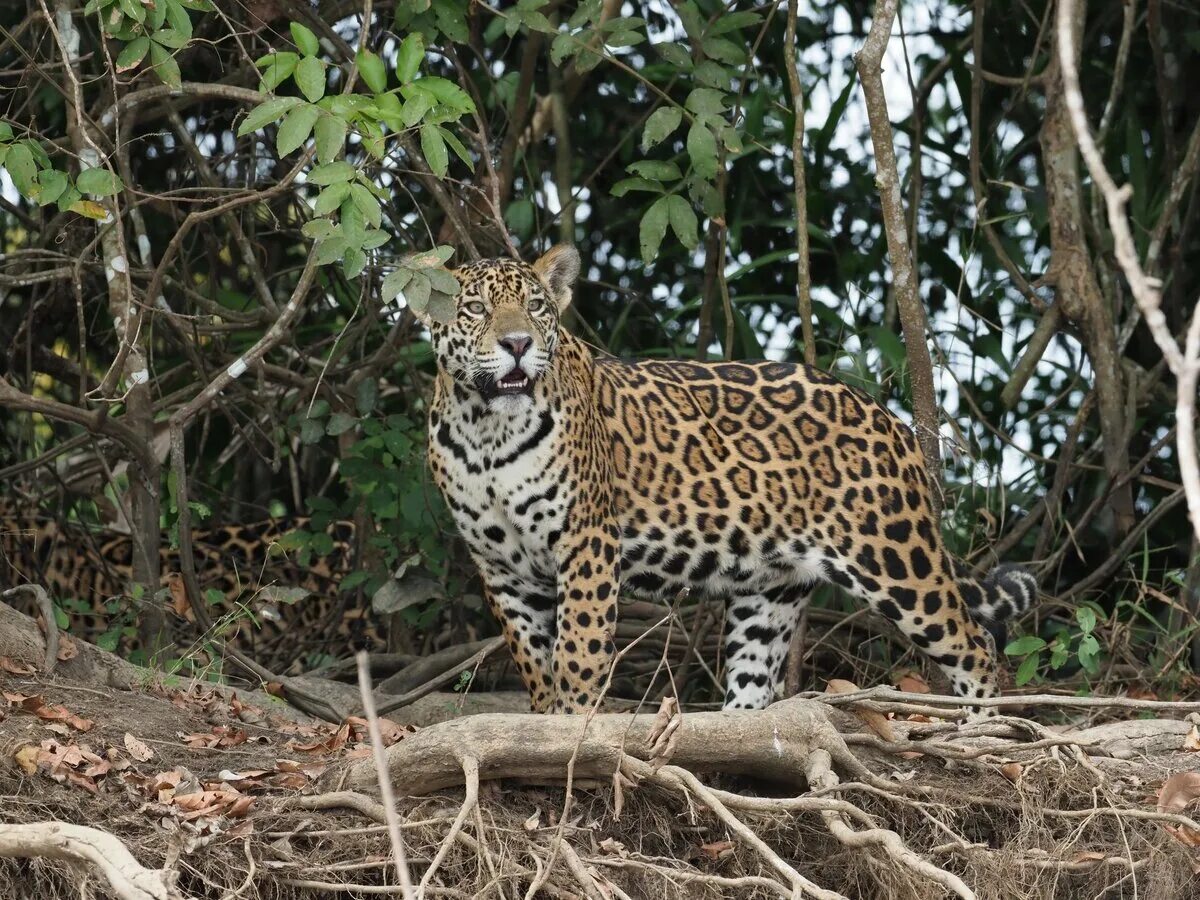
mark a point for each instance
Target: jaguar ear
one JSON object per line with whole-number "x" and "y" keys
{"x": 559, "y": 268}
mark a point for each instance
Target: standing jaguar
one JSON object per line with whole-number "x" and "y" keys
{"x": 570, "y": 476}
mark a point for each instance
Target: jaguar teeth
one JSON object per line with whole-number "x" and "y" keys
{"x": 514, "y": 382}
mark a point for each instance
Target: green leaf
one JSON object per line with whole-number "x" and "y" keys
{"x": 331, "y": 173}
{"x": 660, "y": 124}
{"x": 21, "y": 167}
{"x": 724, "y": 50}
{"x": 393, "y": 284}
{"x": 367, "y": 204}
{"x": 372, "y": 70}
{"x": 366, "y": 395}
{"x": 1030, "y": 643}
{"x": 310, "y": 76}
{"x": 712, "y": 75}
{"x": 180, "y": 20}
{"x": 702, "y": 148}
{"x": 434, "y": 148}
{"x": 340, "y": 423}
{"x": 330, "y": 250}
{"x": 133, "y": 9}
{"x": 623, "y": 187}
{"x": 447, "y": 93}
{"x": 165, "y": 66}
{"x": 267, "y": 112}
{"x": 52, "y": 184}
{"x": 683, "y": 220}
{"x": 132, "y": 54}
{"x": 564, "y": 46}
{"x": 416, "y": 292}
{"x": 676, "y": 54}
{"x": 330, "y": 133}
{"x": 1027, "y": 670}
{"x": 6, "y": 132}
{"x": 410, "y": 57}
{"x": 331, "y": 198}
{"x": 169, "y": 37}
{"x": 318, "y": 229}
{"x": 279, "y": 67}
{"x": 296, "y": 128}
{"x": 654, "y": 228}
{"x": 305, "y": 40}
{"x": 706, "y": 102}
{"x": 415, "y": 108}
{"x": 441, "y": 308}
{"x": 443, "y": 281}
{"x": 311, "y": 431}
{"x": 100, "y": 182}
{"x": 1086, "y": 617}
{"x": 457, "y": 146}
{"x": 657, "y": 170}
{"x": 520, "y": 217}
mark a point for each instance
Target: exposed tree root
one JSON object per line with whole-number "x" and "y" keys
{"x": 129, "y": 879}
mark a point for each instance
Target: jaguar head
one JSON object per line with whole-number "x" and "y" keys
{"x": 505, "y": 328}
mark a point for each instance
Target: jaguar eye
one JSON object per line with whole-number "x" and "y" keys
{"x": 475, "y": 308}
{"x": 536, "y": 304}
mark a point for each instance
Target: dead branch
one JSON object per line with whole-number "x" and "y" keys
{"x": 129, "y": 879}
{"x": 1184, "y": 364}
{"x": 869, "y": 61}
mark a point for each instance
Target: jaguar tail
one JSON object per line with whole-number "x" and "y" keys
{"x": 999, "y": 597}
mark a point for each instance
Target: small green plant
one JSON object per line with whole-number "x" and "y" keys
{"x": 1079, "y": 643}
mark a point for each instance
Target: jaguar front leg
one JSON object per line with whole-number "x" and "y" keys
{"x": 587, "y": 615}
{"x": 526, "y": 616}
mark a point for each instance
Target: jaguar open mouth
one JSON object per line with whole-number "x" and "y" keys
{"x": 515, "y": 382}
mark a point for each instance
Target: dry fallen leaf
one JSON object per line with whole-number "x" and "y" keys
{"x": 1011, "y": 771}
{"x": 66, "y": 648}
{"x": 137, "y": 749}
{"x": 613, "y": 846}
{"x": 912, "y": 683}
{"x": 1192, "y": 741}
{"x": 16, "y": 667}
{"x": 874, "y": 720}
{"x": 1177, "y": 793}
{"x": 534, "y": 822}
{"x": 717, "y": 849}
{"x": 27, "y": 758}
{"x": 179, "y": 599}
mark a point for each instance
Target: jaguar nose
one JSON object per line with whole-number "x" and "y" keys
{"x": 517, "y": 343}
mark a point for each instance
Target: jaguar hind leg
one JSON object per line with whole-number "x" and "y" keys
{"x": 758, "y": 630}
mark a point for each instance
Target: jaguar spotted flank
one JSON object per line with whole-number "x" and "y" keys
{"x": 571, "y": 477}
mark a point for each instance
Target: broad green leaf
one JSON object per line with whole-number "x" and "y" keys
{"x": 447, "y": 93}
{"x": 165, "y": 66}
{"x": 443, "y": 280}
{"x": 340, "y": 423}
{"x": 623, "y": 187}
{"x": 133, "y": 9}
{"x": 89, "y": 208}
{"x": 100, "y": 182}
{"x": 169, "y": 37}
{"x": 659, "y": 170}
{"x": 21, "y": 167}
{"x": 416, "y": 292}
{"x": 296, "y": 128}
{"x": 52, "y": 184}
{"x": 331, "y": 198}
{"x": 267, "y": 112}
{"x": 731, "y": 21}
{"x": 564, "y": 46}
{"x": 372, "y": 70}
{"x": 683, "y": 220}
{"x": 305, "y": 40}
{"x": 310, "y": 77}
{"x": 693, "y": 21}
{"x": 712, "y": 75}
{"x": 318, "y": 229}
{"x": 415, "y": 107}
{"x": 1030, "y": 643}
{"x": 1027, "y": 670}
{"x": 367, "y": 204}
{"x": 457, "y": 146}
{"x": 434, "y": 149}
{"x": 706, "y": 102}
{"x": 374, "y": 238}
{"x": 6, "y": 132}
{"x": 330, "y": 132}
{"x": 366, "y": 395}
{"x": 180, "y": 20}
{"x": 654, "y": 228}
{"x": 331, "y": 173}
{"x": 393, "y": 284}
{"x": 676, "y": 54}
{"x": 702, "y": 148}
{"x": 132, "y": 54}
{"x": 1086, "y": 617}
{"x": 441, "y": 308}
{"x": 330, "y": 250}
{"x": 724, "y": 50}
{"x": 409, "y": 57}
{"x": 660, "y": 124}
{"x": 279, "y": 67}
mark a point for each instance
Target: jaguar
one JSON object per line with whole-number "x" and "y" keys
{"x": 573, "y": 475}
{"x": 256, "y": 588}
